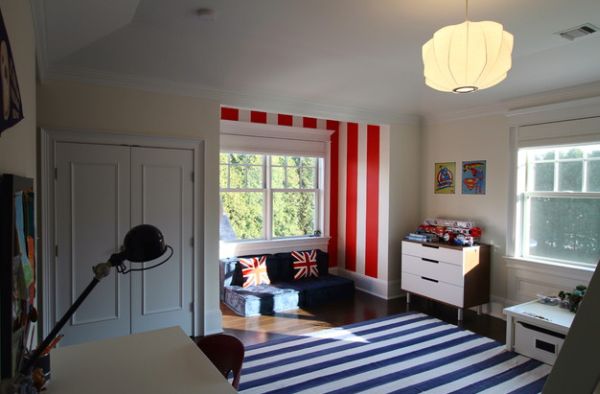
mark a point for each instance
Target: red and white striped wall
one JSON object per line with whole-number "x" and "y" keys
{"x": 359, "y": 192}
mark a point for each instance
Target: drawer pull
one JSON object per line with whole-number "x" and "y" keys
{"x": 430, "y": 246}
{"x": 429, "y": 260}
{"x": 429, "y": 279}
{"x": 543, "y": 345}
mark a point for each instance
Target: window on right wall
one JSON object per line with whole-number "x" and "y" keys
{"x": 559, "y": 210}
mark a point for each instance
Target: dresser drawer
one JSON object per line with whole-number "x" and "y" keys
{"x": 437, "y": 253}
{"x": 444, "y": 272}
{"x": 431, "y": 288}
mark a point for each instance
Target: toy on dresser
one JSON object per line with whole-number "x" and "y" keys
{"x": 457, "y": 232}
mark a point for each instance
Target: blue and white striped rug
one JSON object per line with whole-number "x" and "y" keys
{"x": 408, "y": 353}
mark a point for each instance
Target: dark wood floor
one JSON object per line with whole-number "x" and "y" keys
{"x": 251, "y": 330}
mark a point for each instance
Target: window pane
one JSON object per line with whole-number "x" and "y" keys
{"x": 543, "y": 154}
{"x": 294, "y": 161}
{"x": 570, "y": 153}
{"x": 544, "y": 177}
{"x": 308, "y": 178}
{"x": 223, "y": 158}
{"x": 223, "y": 176}
{"x": 277, "y": 177}
{"x": 255, "y": 177}
{"x": 309, "y": 161}
{"x": 293, "y": 178}
{"x": 278, "y": 160}
{"x": 565, "y": 229}
{"x": 245, "y": 213}
{"x": 593, "y": 176}
{"x": 246, "y": 158}
{"x": 293, "y": 214}
{"x": 237, "y": 177}
{"x": 570, "y": 176}
{"x": 593, "y": 151}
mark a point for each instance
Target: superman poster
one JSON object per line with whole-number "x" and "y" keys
{"x": 11, "y": 111}
{"x": 473, "y": 177}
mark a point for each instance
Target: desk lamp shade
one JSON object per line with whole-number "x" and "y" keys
{"x": 143, "y": 243}
{"x": 467, "y": 57}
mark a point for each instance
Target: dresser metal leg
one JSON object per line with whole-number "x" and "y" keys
{"x": 407, "y": 297}
{"x": 479, "y": 310}
{"x": 460, "y": 314}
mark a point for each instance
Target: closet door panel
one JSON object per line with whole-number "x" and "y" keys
{"x": 92, "y": 197}
{"x": 162, "y": 195}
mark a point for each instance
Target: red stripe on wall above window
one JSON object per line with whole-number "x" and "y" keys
{"x": 230, "y": 113}
{"x": 334, "y": 182}
{"x": 258, "y": 117}
{"x": 351, "y": 195}
{"x": 310, "y": 123}
{"x": 285, "y": 120}
{"x": 372, "y": 214}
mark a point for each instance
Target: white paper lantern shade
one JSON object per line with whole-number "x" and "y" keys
{"x": 467, "y": 57}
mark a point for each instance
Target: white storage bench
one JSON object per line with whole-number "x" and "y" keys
{"x": 537, "y": 330}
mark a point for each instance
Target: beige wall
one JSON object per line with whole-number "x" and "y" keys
{"x": 75, "y": 106}
{"x": 18, "y": 144}
{"x": 404, "y": 178}
{"x": 483, "y": 138}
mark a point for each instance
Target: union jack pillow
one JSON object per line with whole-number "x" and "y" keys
{"x": 305, "y": 264}
{"x": 254, "y": 270}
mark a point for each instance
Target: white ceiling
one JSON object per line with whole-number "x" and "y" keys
{"x": 308, "y": 56}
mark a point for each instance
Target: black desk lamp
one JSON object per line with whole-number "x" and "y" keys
{"x": 142, "y": 243}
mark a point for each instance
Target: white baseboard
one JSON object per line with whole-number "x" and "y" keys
{"x": 213, "y": 322}
{"x": 377, "y": 287}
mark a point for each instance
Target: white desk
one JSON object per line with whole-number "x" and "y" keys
{"x": 161, "y": 361}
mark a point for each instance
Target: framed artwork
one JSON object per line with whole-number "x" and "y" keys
{"x": 445, "y": 174}
{"x": 11, "y": 111}
{"x": 473, "y": 177}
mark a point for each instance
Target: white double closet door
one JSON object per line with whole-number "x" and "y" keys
{"x": 102, "y": 191}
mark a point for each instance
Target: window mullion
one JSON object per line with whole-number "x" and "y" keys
{"x": 268, "y": 198}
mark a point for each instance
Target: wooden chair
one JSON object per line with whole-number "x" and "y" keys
{"x": 226, "y": 352}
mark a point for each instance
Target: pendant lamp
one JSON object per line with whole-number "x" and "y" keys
{"x": 467, "y": 57}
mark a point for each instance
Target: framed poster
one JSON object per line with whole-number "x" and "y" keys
{"x": 444, "y": 178}
{"x": 473, "y": 177}
{"x": 11, "y": 111}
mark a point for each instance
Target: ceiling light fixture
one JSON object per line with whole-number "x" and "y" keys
{"x": 467, "y": 57}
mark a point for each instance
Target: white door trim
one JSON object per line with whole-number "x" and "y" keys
{"x": 48, "y": 140}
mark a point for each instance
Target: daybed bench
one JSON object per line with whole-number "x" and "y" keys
{"x": 284, "y": 292}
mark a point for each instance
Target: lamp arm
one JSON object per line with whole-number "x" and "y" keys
{"x": 101, "y": 271}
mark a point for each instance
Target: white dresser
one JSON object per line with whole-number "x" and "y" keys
{"x": 455, "y": 275}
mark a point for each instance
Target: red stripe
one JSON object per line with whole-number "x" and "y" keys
{"x": 310, "y": 123}
{"x": 334, "y": 180}
{"x": 228, "y": 113}
{"x": 258, "y": 117}
{"x": 372, "y": 223}
{"x": 285, "y": 120}
{"x": 351, "y": 195}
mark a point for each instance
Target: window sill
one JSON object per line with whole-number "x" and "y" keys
{"x": 545, "y": 265}
{"x": 229, "y": 249}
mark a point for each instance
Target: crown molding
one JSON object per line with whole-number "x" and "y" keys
{"x": 274, "y": 103}
{"x": 38, "y": 13}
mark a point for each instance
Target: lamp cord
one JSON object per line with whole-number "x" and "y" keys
{"x": 122, "y": 268}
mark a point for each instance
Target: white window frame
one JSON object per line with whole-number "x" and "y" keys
{"x": 268, "y": 190}
{"x": 526, "y": 193}
{"x": 266, "y": 139}
{"x": 574, "y": 122}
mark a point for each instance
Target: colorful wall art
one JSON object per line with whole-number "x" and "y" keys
{"x": 445, "y": 175}
{"x": 11, "y": 111}
{"x": 473, "y": 177}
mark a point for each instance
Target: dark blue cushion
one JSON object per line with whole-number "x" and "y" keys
{"x": 317, "y": 291}
{"x": 286, "y": 264}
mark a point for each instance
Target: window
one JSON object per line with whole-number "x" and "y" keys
{"x": 268, "y": 197}
{"x": 560, "y": 192}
